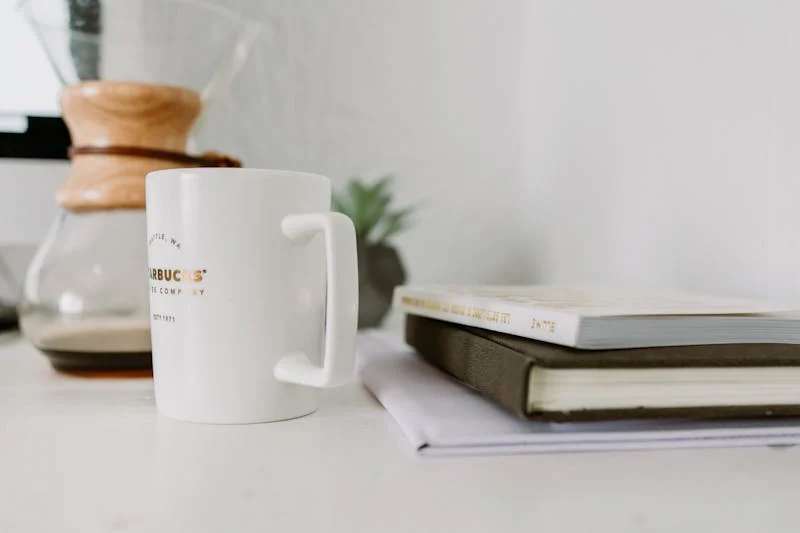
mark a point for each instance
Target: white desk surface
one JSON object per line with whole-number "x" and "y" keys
{"x": 91, "y": 455}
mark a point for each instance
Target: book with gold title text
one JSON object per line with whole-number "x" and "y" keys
{"x": 593, "y": 317}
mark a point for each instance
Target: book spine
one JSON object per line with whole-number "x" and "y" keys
{"x": 486, "y": 313}
{"x": 495, "y": 371}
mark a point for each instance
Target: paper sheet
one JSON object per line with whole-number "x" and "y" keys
{"x": 441, "y": 417}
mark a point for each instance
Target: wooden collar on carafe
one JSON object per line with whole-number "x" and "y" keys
{"x": 113, "y": 177}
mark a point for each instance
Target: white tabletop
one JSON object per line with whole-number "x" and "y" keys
{"x": 80, "y": 454}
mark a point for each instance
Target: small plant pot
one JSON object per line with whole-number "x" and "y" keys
{"x": 380, "y": 270}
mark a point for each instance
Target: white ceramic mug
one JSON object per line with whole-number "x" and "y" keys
{"x": 253, "y": 293}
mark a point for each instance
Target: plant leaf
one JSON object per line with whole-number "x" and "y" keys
{"x": 338, "y": 204}
{"x": 395, "y": 223}
{"x": 367, "y": 205}
{"x": 376, "y": 201}
{"x": 380, "y": 189}
{"x": 370, "y": 204}
{"x": 375, "y": 213}
{"x": 358, "y": 195}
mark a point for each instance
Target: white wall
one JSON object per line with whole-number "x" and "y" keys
{"x": 28, "y": 85}
{"x": 27, "y": 198}
{"x": 428, "y": 90}
{"x": 660, "y": 143}
{"x": 553, "y": 141}
{"x": 27, "y": 210}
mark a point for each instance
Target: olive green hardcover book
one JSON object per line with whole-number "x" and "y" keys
{"x": 541, "y": 380}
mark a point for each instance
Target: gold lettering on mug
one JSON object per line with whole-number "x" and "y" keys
{"x": 177, "y": 275}
{"x": 162, "y": 237}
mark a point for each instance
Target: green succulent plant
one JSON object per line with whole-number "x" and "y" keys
{"x": 370, "y": 208}
{"x": 376, "y": 221}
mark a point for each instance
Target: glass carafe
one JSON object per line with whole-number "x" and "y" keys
{"x": 137, "y": 77}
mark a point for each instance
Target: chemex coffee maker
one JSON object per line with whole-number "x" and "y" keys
{"x": 137, "y": 76}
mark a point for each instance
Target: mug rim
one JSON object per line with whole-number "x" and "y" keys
{"x": 258, "y": 173}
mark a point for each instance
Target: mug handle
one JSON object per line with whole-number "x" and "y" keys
{"x": 341, "y": 320}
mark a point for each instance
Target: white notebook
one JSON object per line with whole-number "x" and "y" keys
{"x": 604, "y": 316}
{"x": 442, "y": 417}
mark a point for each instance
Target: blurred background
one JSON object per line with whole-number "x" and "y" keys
{"x": 544, "y": 141}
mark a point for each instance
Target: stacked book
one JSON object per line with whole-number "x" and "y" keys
{"x": 584, "y": 353}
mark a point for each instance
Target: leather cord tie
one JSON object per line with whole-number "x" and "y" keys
{"x": 206, "y": 159}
